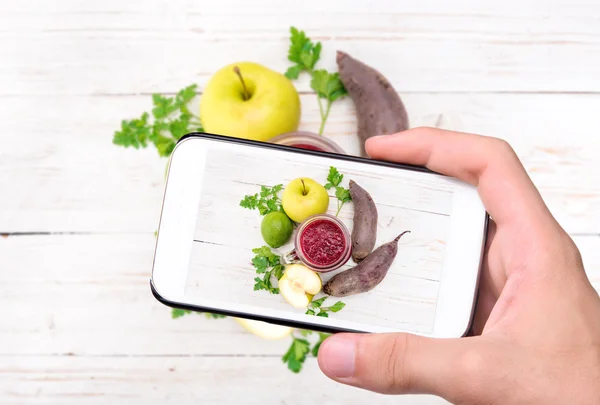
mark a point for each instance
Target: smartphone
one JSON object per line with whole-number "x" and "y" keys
{"x": 206, "y": 258}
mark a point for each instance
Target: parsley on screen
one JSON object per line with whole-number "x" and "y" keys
{"x": 316, "y": 308}
{"x": 267, "y": 265}
{"x": 171, "y": 120}
{"x": 304, "y": 54}
{"x": 334, "y": 179}
{"x": 265, "y": 202}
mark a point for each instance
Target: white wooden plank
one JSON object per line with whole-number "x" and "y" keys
{"x": 177, "y": 380}
{"x": 526, "y": 8}
{"x": 63, "y": 174}
{"x": 468, "y": 46}
{"x": 89, "y": 295}
{"x": 62, "y": 292}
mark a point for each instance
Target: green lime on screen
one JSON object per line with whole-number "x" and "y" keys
{"x": 276, "y": 229}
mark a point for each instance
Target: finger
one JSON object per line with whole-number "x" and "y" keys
{"x": 483, "y": 309}
{"x": 488, "y": 163}
{"x": 401, "y": 363}
{"x": 492, "y": 279}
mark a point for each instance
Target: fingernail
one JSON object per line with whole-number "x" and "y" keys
{"x": 338, "y": 354}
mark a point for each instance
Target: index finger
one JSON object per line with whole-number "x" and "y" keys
{"x": 490, "y": 164}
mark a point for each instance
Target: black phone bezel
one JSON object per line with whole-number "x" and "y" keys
{"x": 292, "y": 149}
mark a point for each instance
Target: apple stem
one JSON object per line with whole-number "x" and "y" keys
{"x": 246, "y": 94}
{"x": 303, "y": 187}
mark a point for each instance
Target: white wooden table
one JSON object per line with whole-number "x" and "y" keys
{"x": 78, "y": 324}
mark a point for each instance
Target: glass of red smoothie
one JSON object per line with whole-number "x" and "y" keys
{"x": 307, "y": 140}
{"x": 323, "y": 243}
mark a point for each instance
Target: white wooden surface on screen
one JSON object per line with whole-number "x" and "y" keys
{"x": 220, "y": 268}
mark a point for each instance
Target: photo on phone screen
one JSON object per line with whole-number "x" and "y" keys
{"x": 232, "y": 267}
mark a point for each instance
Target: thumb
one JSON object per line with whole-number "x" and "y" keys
{"x": 402, "y": 363}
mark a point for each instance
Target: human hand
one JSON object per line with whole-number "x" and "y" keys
{"x": 537, "y": 318}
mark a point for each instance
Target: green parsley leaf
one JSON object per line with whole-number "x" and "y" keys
{"x": 266, "y": 201}
{"x": 334, "y": 178}
{"x": 262, "y": 251}
{"x": 343, "y": 194}
{"x": 300, "y": 348}
{"x": 302, "y": 52}
{"x": 185, "y": 95}
{"x": 178, "y": 312}
{"x": 250, "y": 202}
{"x": 172, "y": 120}
{"x": 258, "y": 285}
{"x": 179, "y": 128}
{"x": 316, "y": 308}
{"x": 210, "y": 315}
{"x": 293, "y": 72}
{"x": 134, "y": 133}
{"x": 274, "y": 259}
{"x": 296, "y": 354}
{"x": 260, "y": 263}
{"x": 163, "y": 106}
{"x": 327, "y": 85}
{"x": 338, "y": 306}
{"x": 164, "y": 145}
{"x": 278, "y": 271}
{"x": 263, "y": 260}
{"x": 319, "y": 302}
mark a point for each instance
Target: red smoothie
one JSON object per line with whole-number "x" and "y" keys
{"x": 322, "y": 242}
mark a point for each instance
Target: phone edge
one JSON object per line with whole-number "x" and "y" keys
{"x": 274, "y": 321}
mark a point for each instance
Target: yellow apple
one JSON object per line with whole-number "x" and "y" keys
{"x": 265, "y": 330}
{"x": 247, "y": 100}
{"x": 304, "y": 197}
{"x": 299, "y": 284}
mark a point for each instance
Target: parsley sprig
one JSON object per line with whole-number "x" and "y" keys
{"x": 171, "y": 120}
{"x": 267, "y": 265}
{"x": 296, "y": 354}
{"x": 304, "y": 54}
{"x": 300, "y": 348}
{"x": 265, "y": 202}
{"x": 334, "y": 179}
{"x": 316, "y": 308}
{"x": 178, "y": 313}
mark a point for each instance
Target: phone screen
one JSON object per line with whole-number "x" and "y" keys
{"x": 225, "y": 270}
